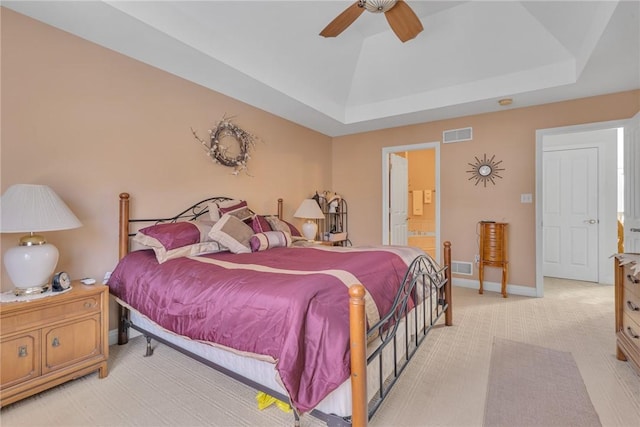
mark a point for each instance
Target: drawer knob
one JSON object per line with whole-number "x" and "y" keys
{"x": 632, "y": 306}
{"x": 87, "y": 304}
{"x": 632, "y": 333}
{"x": 22, "y": 351}
{"x": 55, "y": 342}
{"x": 632, "y": 279}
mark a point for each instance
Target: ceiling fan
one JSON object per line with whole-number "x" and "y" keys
{"x": 401, "y": 18}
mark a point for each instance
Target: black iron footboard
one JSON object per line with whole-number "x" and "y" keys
{"x": 418, "y": 306}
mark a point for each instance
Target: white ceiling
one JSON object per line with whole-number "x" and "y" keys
{"x": 470, "y": 54}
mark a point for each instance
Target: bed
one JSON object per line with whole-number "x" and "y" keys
{"x": 327, "y": 329}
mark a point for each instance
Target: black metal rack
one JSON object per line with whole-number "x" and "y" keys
{"x": 334, "y": 227}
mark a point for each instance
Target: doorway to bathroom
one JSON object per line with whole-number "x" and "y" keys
{"x": 411, "y": 196}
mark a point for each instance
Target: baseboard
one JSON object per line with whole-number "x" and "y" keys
{"x": 525, "y": 291}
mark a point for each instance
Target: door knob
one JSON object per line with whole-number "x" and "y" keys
{"x": 591, "y": 221}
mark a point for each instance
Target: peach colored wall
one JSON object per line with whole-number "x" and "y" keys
{"x": 509, "y": 134}
{"x": 92, "y": 123}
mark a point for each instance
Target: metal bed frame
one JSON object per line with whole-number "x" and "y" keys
{"x": 424, "y": 281}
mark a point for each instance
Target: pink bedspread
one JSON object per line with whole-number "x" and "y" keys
{"x": 293, "y": 311}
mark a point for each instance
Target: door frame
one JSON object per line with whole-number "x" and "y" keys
{"x": 540, "y": 135}
{"x": 385, "y": 186}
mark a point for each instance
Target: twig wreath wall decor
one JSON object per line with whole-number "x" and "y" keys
{"x": 220, "y": 152}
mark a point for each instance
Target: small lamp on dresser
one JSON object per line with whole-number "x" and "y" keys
{"x": 309, "y": 210}
{"x": 27, "y": 208}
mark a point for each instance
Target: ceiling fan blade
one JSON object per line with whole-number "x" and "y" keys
{"x": 342, "y": 21}
{"x": 403, "y": 21}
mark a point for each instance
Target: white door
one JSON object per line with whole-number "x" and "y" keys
{"x": 398, "y": 199}
{"x": 632, "y": 185}
{"x": 570, "y": 214}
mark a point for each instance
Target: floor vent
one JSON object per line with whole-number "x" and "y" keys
{"x": 462, "y": 267}
{"x": 457, "y": 135}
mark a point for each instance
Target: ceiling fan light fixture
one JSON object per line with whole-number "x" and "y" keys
{"x": 401, "y": 18}
{"x": 379, "y": 6}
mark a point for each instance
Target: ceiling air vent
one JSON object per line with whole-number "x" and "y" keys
{"x": 457, "y": 135}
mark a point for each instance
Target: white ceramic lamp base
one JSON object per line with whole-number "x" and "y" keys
{"x": 309, "y": 230}
{"x": 30, "y": 267}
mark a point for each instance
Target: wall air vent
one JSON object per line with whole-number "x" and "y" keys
{"x": 457, "y": 135}
{"x": 461, "y": 267}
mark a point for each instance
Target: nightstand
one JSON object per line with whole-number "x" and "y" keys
{"x": 48, "y": 341}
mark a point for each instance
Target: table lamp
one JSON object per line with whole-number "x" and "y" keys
{"x": 309, "y": 210}
{"x": 27, "y": 208}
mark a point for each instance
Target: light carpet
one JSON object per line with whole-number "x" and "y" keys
{"x": 444, "y": 385}
{"x": 531, "y": 385}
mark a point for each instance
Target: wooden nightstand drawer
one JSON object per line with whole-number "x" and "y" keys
{"x": 631, "y": 295}
{"x": 631, "y": 329}
{"x": 59, "y": 312}
{"x": 631, "y": 282}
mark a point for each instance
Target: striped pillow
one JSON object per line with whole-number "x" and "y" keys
{"x": 269, "y": 239}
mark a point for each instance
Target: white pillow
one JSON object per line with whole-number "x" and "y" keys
{"x": 214, "y": 208}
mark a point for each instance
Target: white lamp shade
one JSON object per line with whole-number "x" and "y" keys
{"x": 31, "y": 208}
{"x": 309, "y": 209}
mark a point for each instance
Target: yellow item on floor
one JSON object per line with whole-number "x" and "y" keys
{"x": 264, "y": 401}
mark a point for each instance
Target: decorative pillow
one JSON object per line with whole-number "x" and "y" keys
{"x": 260, "y": 224}
{"x": 292, "y": 229}
{"x": 239, "y": 210}
{"x": 270, "y": 239}
{"x": 232, "y": 233}
{"x": 281, "y": 225}
{"x": 177, "y": 239}
{"x": 214, "y": 208}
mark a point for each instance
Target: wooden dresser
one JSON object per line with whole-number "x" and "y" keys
{"x": 47, "y": 341}
{"x": 493, "y": 251}
{"x": 627, "y": 296}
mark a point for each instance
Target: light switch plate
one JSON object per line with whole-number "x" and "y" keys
{"x": 526, "y": 198}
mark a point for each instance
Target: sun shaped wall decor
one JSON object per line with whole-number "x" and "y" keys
{"x": 485, "y": 170}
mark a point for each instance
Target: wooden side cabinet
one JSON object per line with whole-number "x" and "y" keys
{"x": 48, "y": 341}
{"x": 493, "y": 251}
{"x": 627, "y": 301}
